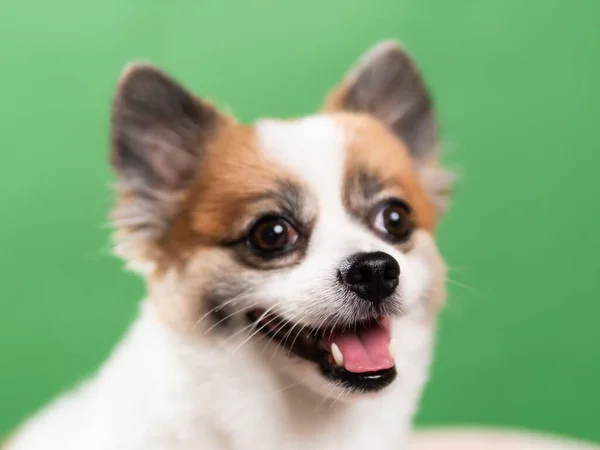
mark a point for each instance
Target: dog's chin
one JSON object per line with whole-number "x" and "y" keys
{"x": 352, "y": 358}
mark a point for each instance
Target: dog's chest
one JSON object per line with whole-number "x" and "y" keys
{"x": 293, "y": 422}
{"x": 154, "y": 394}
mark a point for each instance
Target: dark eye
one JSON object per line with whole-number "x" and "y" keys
{"x": 272, "y": 235}
{"x": 394, "y": 220}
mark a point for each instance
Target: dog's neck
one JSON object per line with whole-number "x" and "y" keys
{"x": 162, "y": 390}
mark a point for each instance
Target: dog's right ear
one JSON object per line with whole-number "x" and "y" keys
{"x": 159, "y": 134}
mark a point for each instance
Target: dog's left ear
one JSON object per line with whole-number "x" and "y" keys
{"x": 386, "y": 84}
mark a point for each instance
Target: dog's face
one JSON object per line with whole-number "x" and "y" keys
{"x": 312, "y": 236}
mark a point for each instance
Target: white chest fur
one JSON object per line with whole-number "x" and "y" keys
{"x": 161, "y": 391}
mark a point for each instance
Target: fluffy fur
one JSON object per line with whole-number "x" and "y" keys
{"x": 191, "y": 372}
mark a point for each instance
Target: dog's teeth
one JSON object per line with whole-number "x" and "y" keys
{"x": 391, "y": 345}
{"x": 337, "y": 355}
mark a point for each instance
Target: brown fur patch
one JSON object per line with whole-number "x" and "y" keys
{"x": 235, "y": 183}
{"x": 376, "y": 151}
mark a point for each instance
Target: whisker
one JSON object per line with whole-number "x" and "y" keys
{"x": 325, "y": 398}
{"x": 245, "y": 308}
{"x": 257, "y": 322}
{"x": 281, "y": 327}
{"x": 237, "y": 333}
{"x": 334, "y": 327}
{"x": 297, "y": 334}
{"x": 222, "y": 305}
{"x": 289, "y": 386}
{"x": 459, "y": 269}
{"x": 337, "y": 398}
{"x": 322, "y": 322}
{"x": 464, "y": 286}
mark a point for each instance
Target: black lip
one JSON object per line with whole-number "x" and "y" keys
{"x": 366, "y": 382}
{"x": 359, "y": 382}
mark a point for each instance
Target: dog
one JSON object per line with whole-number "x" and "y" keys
{"x": 293, "y": 277}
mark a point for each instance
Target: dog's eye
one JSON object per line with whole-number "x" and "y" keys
{"x": 272, "y": 235}
{"x": 393, "y": 219}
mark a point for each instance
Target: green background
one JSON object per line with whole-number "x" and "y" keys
{"x": 516, "y": 83}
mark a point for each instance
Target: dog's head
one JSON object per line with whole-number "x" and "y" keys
{"x": 312, "y": 235}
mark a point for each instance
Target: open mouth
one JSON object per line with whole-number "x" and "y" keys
{"x": 357, "y": 358}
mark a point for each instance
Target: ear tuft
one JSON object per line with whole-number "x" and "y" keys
{"x": 159, "y": 134}
{"x": 386, "y": 84}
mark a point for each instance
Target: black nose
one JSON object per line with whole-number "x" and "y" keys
{"x": 373, "y": 276}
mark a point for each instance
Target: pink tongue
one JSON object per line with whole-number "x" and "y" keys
{"x": 366, "y": 350}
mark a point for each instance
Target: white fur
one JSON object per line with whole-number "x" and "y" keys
{"x": 314, "y": 149}
{"x": 160, "y": 390}
{"x": 165, "y": 390}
